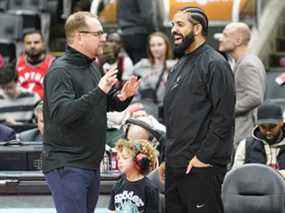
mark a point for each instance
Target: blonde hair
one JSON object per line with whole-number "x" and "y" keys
{"x": 76, "y": 22}
{"x": 144, "y": 146}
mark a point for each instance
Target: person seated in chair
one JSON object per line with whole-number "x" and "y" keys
{"x": 35, "y": 134}
{"x": 266, "y": 145}
{"x": 16, "y": 103}
{"x": 6, "y": 133}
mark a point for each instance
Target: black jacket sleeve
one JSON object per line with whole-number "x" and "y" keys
{"x": 114, "y": 104}
{"x": 63, "y": 106}
{"x": 222, "y": 95}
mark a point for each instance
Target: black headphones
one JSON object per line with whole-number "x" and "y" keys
{"x": 142, "y": 162}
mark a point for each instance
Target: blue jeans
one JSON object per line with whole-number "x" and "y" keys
{"x": 74, "y": 190}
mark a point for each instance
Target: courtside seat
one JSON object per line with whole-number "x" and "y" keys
{"x": 254, "y": 188}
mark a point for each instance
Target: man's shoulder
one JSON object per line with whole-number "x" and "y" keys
{"x": 149, "y": 185}
{"x": 211, "y": 55}
{"x": 250, "y": 59}
{"x": 58, "y": 66}
{"x": 59, "y": 62}
{"x": 251, "y": 141}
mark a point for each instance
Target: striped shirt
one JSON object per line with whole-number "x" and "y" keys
{"x": 19, "y": 108}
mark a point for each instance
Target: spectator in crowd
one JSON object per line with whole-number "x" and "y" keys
{"x": 266, "y": 145}
{"x": 2, "y": 62}
{"x": 33, "y": 64}
{"x": 153, "y": 71}
{"x": 199, "y": 117}
{"x": 114, "y": 55}
{"x": 282, "y": 61}
{"x": 280, "y": 79}
{"x": 249, "y": 75}
{"x": 76, "y": 100}
{"x": 6, "y": 133}
{"x": 16, "y": 103}
{"x": 35, "y": 134}
{"x": 136, "y": 20}
{"x": 134, "y": 192}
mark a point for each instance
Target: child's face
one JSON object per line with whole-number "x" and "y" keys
{"x": 125, "y": 161}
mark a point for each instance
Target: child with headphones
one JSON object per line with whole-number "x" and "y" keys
{"x": 134, "y": 193}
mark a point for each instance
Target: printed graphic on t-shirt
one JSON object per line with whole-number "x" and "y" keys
{"x": 128, "y": 202}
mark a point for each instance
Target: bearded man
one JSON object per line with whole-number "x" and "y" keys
{"x": 199, "y": 116}
{"x": 33, "y": 64}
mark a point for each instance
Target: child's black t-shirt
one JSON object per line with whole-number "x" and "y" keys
{"x": 134, "y": 197}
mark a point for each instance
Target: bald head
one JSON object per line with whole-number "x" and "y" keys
{"x": 137, "y": 132}
{"x": 241, "y": 31}
{"x": 235, "y": 39}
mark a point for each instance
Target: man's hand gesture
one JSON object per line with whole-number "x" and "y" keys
{"x": 129, "y": 88}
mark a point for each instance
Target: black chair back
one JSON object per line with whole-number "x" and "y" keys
{"x": 254, "y": 188}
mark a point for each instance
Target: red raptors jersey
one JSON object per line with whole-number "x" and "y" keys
{"x": 31, "y": 77}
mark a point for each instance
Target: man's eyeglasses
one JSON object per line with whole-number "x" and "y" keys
{"x": 268, "y": 126}
{"x": 95, "y": 34}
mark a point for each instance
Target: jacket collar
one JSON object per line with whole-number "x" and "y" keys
{"x": 197, "y": 51}
{"x": 78, "y": 58}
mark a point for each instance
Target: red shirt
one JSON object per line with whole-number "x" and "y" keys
{"x": 31, "y": 77}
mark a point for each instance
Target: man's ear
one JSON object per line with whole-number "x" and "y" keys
{"x": 197, "y": 29}
{"x": 238, "y": 41}
{"x": 78, "y": 37}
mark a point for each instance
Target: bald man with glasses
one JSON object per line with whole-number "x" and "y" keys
{"x": 77, "y": 98}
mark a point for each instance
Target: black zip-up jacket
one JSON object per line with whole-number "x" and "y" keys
{"x": 75, "y": 113}
{"x": 199, "y": 110}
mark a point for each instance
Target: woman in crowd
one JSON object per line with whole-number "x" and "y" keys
{"x": 153, "y": 72}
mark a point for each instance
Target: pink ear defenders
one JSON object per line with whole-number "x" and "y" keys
{"x": 141, "y": 160}
{"x": 159, "y": 144}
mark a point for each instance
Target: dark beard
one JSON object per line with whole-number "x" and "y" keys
{"x": 273, "y": 140}
{"x": 179, "y": 49}
{"x": 35, "y": 58}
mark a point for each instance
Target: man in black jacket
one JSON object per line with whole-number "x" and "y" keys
{"x": 76, "y": 100}
{"x": 199, "y": 116}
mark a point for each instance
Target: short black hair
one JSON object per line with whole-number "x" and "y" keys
{"x": 8, "y": 73}
{"x": 198, "y": 15}
{"x": 32, "y": 31}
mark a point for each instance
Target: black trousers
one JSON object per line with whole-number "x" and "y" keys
{"x": 193, "y": 193}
